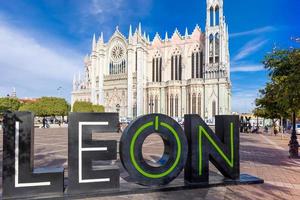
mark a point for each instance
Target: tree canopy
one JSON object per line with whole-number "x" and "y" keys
{"x": 281, "y": 96}
{"x": 81, "y": 106}
{"x": 11, "y": 104}
{"x": 47, "y": 106}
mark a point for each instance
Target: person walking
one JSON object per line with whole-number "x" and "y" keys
{"x": 44, "y": 122}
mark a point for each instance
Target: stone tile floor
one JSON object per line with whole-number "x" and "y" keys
{"x": 265, "y": 156}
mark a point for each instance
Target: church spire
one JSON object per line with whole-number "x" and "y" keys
{"x": 148, "y": 38}
{"x": 94, "y": 42}
{"x": 166, "y": 36}
{"x": 186, "y": 32}
{"x": 140, "y": 28}
{"x": 101, "y": 40}
{"x": 130, "y": 31}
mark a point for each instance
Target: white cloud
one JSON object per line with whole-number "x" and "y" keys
{"x": 254, "y": 31}
{"x": 35, "y": 68}
{"x": 247, "y": 68}
{"x": 249, "y": 48}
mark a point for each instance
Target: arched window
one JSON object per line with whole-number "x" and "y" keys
{"x": 176, "y": 106}
{"x": 199, "y": 104}
{"x": 194, "y": 99}
{"x": 217, "y": 15}
{"x": 214, "y": 108}
{"x": 156, "y": 104}
{"x": 217, "y": 47}
{"x": 117, "y": 68}
{"x": 211, "y": 49}
{"x": 211, "y": 14}
{"x": 176, "y": 65}
{"x": 157, "y": 67}
{"x": 197, "y": 63}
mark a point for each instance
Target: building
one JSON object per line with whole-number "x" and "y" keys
{"x": 181, "y": 74}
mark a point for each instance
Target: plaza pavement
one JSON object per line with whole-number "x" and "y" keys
{"x": 264, "y": 156}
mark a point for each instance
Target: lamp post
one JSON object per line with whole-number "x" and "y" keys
{"x": 293, "y": 144}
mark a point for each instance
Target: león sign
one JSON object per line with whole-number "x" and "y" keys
{"x": 190, "y": 149}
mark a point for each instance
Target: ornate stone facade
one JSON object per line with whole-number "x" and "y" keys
{"x": 182, "y": 74}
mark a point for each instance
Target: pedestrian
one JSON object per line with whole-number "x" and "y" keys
{"x": 44, "y": 122}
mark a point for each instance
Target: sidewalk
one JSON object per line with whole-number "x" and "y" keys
{"x": 266, "y": 156}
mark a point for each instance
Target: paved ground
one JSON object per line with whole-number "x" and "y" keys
{"x": 264, "y": 156}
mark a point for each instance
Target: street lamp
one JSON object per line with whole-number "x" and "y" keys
{"x": 293, "y": 144}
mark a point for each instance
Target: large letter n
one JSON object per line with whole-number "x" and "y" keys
{"x": 221, "y": 147}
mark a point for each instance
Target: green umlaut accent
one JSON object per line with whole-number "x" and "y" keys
{"x": 156, "y": 123}
{"x": 229, "y": 162}
{"x": 132, "y": 157}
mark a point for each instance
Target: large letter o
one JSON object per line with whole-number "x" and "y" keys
{"x": 175, "y": 151}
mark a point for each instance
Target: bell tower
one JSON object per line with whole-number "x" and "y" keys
{"x": 216, "y": 42}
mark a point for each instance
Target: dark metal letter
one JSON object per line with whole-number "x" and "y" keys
{"x": 83, "y": 150}
{"x": 175, "y": 150}
{"x": 221, "y": 148}
{"x": 19, "y": 177}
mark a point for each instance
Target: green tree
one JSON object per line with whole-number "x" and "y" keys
{"x": 30, "y": 106}
{"x": 81, "y": 106}
{"x": 268, "y": 106}
{"x": 281, "y": 96}
{"x": 11, "y": 104}
{"x": 47, "y": 106}
{"x": 284, "y": 69}
{"x": 98, "y": 108}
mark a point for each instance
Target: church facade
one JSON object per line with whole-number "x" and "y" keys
{"x": 177, "y": 75}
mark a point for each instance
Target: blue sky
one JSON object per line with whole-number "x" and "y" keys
{"x": 43, "y": 42}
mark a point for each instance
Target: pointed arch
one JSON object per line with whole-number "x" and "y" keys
{"x": 197, "y": 62}
{"x": 157, "y": 67}
{"x": 211, "y": 14}
{"x": 217, "y": 15}
{"x": 176, "y": 65}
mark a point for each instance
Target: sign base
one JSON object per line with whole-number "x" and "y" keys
{"x": 127, "y": 188}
